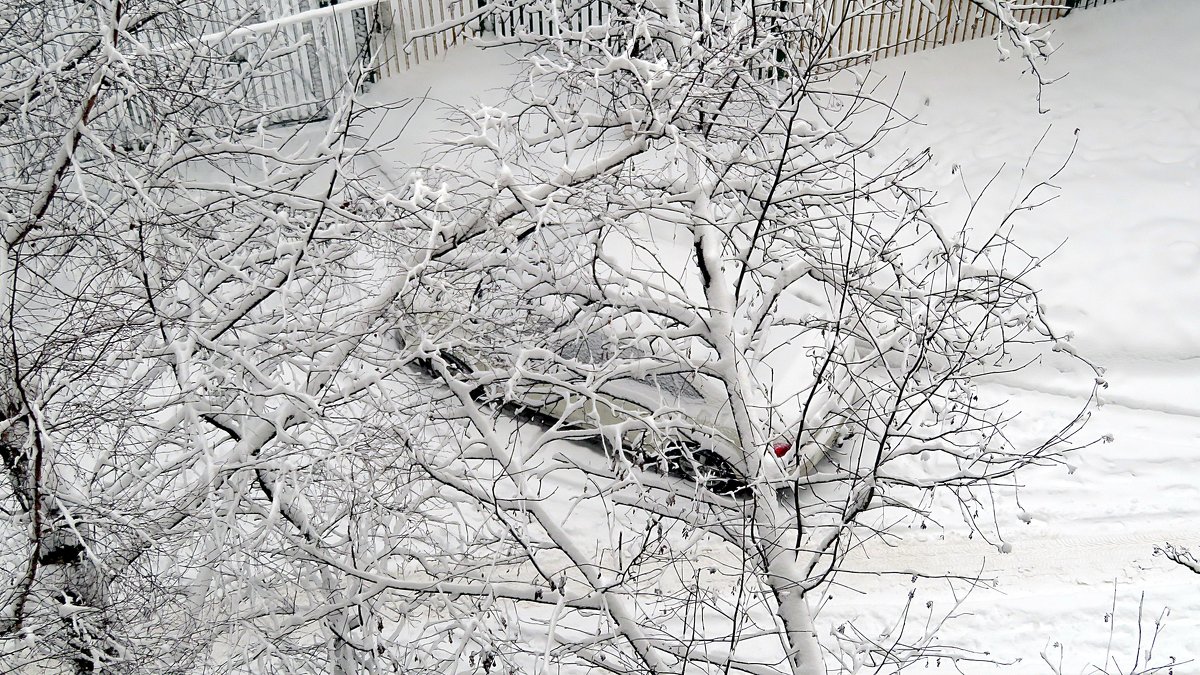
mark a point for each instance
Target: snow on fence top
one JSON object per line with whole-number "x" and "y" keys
{"x": 276, "y": 61}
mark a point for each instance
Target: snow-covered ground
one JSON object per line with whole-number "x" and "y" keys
{"x": 1125, "y": 280}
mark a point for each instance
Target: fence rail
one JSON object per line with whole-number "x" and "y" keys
{"x": 906, "y": 26}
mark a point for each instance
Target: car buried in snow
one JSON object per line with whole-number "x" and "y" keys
{"x": 638, "y": 405}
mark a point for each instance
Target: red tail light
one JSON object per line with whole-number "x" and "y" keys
{"x": 781, "y": 448}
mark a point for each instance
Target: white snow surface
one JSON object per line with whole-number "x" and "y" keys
{"x": 1125, "y": 278}
{"x": 1126, "y": 281}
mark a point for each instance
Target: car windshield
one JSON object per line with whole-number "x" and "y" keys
{"x": 595, "y": 349}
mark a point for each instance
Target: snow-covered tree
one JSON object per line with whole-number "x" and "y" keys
{"x": 190, "y": 332}
{"x": 701, "y": 195}
{"x": 223, "y": 450}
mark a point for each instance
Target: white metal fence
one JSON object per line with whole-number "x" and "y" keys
{"x": 415, "y": 31}
{"x": 302, "y": 53}
{"x": 291, "y": 58}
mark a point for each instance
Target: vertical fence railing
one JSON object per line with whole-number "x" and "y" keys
{"x": 864, "y": 29}
{"x": 284, "y": 60}
{"x": 301, "y": 66}
{"x": 570, "y": 16}
{"x": 873, "y": 29}
{"x": 262, "y": 62}
{"x": 413, "y": 32}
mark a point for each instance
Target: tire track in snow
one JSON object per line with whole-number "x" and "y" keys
{"x": 1094, "y": 556}
{"x": 1107, "y": 398}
